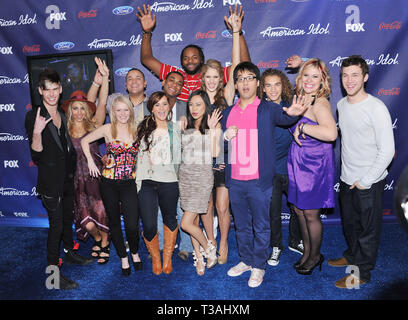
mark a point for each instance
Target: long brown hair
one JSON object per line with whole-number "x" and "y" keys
{"x": 148, "y": 125}
{"x": 219, "y": 99}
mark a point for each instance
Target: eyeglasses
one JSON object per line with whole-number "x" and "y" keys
{"x": 247, "y": 78}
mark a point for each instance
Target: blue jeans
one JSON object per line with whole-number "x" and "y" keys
{"x": 185, "y": 241}
{"x": 250, "y": 208}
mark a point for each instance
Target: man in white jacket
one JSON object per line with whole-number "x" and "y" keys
{"x": 367, "y": 149}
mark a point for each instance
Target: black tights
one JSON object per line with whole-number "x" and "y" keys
{"x": 311, "y": 228}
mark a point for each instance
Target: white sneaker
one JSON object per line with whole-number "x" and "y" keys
{"x": 256, "y": 277}
{"x": 274, "y": 258}
{"x": 239, "y": 269}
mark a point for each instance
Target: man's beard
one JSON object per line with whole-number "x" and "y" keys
{"x": 193, "y": 72}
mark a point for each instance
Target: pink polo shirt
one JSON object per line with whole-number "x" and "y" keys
{"x": 244, "y": 155}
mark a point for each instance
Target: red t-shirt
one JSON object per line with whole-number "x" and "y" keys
{"x": 191, "y": 83}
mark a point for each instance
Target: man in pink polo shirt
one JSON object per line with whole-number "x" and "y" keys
{"x": 191, "y": 57}
{"x": 249, "y": 127}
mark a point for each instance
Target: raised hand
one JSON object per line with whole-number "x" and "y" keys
{"x": 103, "y": 69}
{"x": 297, "y": 108}
{"x": 239, "y": 14}
{"x": 214, "y": 119}
{"x": 235, "y": 22}
{"x": 40, "y": 123}
{"x": 147, "y": 20}
{"x": 294, "y": 61}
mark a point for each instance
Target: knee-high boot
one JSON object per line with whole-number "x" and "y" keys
{"x": 154, "y": 250}
{"x": 170, "y": 238}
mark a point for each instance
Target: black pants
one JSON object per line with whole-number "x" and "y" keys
{"x": 361, "y": 212}
{"x": 120, "y": 196}
{"x": 280, "y": 187}
{"x": 60, "y": 219}
{"x": 153, "y": 194}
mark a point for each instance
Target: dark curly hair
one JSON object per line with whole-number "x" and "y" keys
{"x": 148, "y": 125}
{"x": 287, "y": 88}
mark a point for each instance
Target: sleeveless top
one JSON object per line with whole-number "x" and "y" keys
{"x": 121, "y": 160}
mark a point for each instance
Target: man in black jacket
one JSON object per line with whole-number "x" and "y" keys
{"x": 53, "y": 153}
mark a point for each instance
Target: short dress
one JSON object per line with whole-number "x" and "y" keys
{"x": 196, "y": 177}
{"x": 88, "y": 205}
{"x": 311, "y": 172}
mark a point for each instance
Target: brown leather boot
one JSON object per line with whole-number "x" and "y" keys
{"x": 170, "y": 238}
{"x": 154, "y": 250}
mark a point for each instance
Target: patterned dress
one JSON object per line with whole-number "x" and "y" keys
{"x": 88, "y": 206}
{"x": 196, "y": 178}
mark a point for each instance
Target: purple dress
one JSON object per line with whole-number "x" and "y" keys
{"x": 88, "y": 206}
{"x": 311, "y": 172}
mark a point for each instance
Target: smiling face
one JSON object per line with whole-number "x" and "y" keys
{"x": 311, "y": 80}
{"x": 50, "y": 93}
{"x": 191, "y": 61}
{"x": 121, "y": 112}
{"x": 273, "y": 88}
{"x": 173, "y": 85}
{"x": 79, "y": 111}
{"x": 353, "y": 80}
{"x": 135, "y": 82}
{"x": 212, "y": 80}
{"x": 161, "y": 109}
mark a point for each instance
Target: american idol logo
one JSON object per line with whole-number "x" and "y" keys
{"x": 5, "y": 136}
{"x": 64, "y": 45}
{"x": 228, "y": 34}
{"x": 122, "y": 72}
{"x": 123, "y": 10}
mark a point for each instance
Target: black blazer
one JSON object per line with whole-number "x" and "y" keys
{"x": 51, "y": 160}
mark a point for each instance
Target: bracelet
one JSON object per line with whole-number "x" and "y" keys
{"x": 146, "y": 32}
{"x": 95, "y": 84}
{"x": 301, "y": 128}
{"x": 237, "y": 32}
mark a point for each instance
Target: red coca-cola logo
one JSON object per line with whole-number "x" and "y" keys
{"x": 28, "y": 106}
{"x": 207, "y": 35}
{"x": 268, "y": 64}
{"x": 33, "y": 48}
{"x": 396, "y": 25}
{"x": 89, "y": 14}
{"x": 389, "y": 92}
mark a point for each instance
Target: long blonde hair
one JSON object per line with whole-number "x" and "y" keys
{"x": 219, "y": 99}
{"x": 131, "y": 120}
{"x": 324, "y": 90}
{"x": 88, "y": 124}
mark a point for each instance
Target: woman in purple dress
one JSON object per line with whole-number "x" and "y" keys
{"x": 89, "y": 213}
{"x": 311, "y": 160}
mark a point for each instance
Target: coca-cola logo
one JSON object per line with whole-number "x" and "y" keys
{"x": 206, "y": 35}
{"x": 33, "y": 48}
{"x": 396, "y": 25}
{"x": 29, "y": 107}
{"x": 389, "y": 92}
{"x": 268, "y": 64}
{"x": 89, "y": 14}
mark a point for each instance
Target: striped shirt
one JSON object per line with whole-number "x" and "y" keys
{"x": 191, "y": 83}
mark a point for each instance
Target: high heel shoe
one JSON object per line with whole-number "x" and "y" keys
{"x": 199, "y": 263}
{"x": 223, "y": 258}
{"x": 126, "y": 272}
{"x": 303, "y": 271}
{"x": 297, "y": 264}
{"x": 211, "y": 255}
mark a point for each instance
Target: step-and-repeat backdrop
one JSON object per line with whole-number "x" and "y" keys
{"x": 274, "y": 30}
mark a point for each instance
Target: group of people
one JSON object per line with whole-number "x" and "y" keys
{"x": 175, "y": 155}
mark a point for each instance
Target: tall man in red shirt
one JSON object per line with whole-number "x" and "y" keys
{"x": 191, "y": 57}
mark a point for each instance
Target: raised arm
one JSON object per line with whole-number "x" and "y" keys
{"x": 97, "y": 81}
{"x": 236, "y": 23}
{"x": 243, "y": 47}
{"x": 148, "y": 22}
{"x": 100, "y": 113}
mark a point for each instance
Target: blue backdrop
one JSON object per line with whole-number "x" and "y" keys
{"x": 274, "y": 30}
